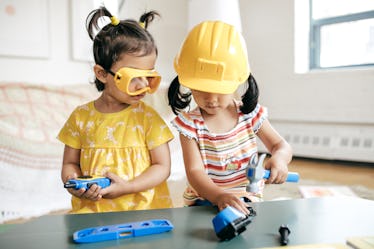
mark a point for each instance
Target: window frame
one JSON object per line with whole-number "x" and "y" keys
{"x": 315, "y": 35}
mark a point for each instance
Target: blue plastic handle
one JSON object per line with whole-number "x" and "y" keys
{"x": 87, "y": 182}
{"x": 291, "y": 176}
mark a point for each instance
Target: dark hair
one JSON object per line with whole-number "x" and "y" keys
{"x": 112, "y": 41}
{"x": 179, "y": 100}
{"x": 250, "y": 97}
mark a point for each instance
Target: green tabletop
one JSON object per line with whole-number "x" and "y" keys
{"x": 311, "y": 221}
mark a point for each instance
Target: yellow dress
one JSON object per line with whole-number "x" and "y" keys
{"x": 118, "y": 143}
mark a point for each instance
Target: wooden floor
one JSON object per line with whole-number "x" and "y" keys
{"x": 347, "y": 173}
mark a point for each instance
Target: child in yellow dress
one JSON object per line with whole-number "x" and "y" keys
{"x": 117, "y": 135}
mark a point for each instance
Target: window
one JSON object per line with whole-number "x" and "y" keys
{"x": 341, "y": 33}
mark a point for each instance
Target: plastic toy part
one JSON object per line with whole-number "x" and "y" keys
{"x": 87, "y": 181}
{"x": 124, "y": 76}
{"x": 256, "y": 172}
{"x": 291, "y": 176}
{"x": 230, "y": 222}
{"x": 284, "y": 231}
{"x": 122, "y": 231}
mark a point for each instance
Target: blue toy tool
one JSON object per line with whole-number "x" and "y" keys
{"x": 122, "y": 231}
{"x": 256, "y": 172}
{"x": 86, "y": 182}
{"x": 230, "y": 222}
{"x": 291, "y": 176}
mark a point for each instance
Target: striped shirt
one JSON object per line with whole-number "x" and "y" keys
{"x": 225, "y": 156}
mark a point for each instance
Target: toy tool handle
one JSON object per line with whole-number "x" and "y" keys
{"x": 87, "y": 182}
{"x": 291, "y": 176}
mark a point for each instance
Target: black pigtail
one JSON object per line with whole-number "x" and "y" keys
{"x": 250, "y": 97}
{"x": 177, "y": 99}
{"x": 148, "y": 17}
{"x": 92, "y": 21}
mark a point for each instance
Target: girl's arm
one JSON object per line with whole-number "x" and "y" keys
{"x": 157, "y": 173}
{"x": 70, "y": 164}
{"x": 280, "y": 150}
{"x": 71, "y": 170}
{"x": 201, "y": 182}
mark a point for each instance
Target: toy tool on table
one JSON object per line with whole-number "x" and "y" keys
{"x": 256, "y": 172}
{"x": 284, "y": 231}
{"x": 86, "y": 182}
{"x": 122, "y": 231}
{"x": 230, "y": 222}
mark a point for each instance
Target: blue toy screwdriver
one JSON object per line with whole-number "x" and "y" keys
{"x": 122, "y": 231}
{"x": 86, "y": 182}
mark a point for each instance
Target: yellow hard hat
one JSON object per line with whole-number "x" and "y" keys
{"x": 213, "y": 58}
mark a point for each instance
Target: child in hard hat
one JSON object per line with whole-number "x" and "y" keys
{"x": 218, "y": 137}
{"x": 118, "y": 135}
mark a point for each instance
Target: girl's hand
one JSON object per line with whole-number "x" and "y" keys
{"x": 278, "y": 170}
{"x": 93, "y": 193}
{"x": 76, "y": 192}
{"x": 226, "y": 199}
{"x": 118, "y": 187}
{"x": 280, "y": 150}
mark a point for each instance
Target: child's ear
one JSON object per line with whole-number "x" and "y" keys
{"x": 101, "y": 73}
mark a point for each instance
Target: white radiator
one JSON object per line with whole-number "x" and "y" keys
{"x": 329, "y": 141}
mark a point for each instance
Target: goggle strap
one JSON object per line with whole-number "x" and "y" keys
{"x": 109, "y": 71}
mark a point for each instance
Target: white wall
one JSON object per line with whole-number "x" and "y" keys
{"x": 59, "y": 68}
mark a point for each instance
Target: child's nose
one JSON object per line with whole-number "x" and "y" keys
{"x": 141, "y": 82}
{"x": 211, "y": 97}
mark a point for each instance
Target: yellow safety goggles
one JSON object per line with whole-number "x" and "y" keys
{"x": 125, "y": 75}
